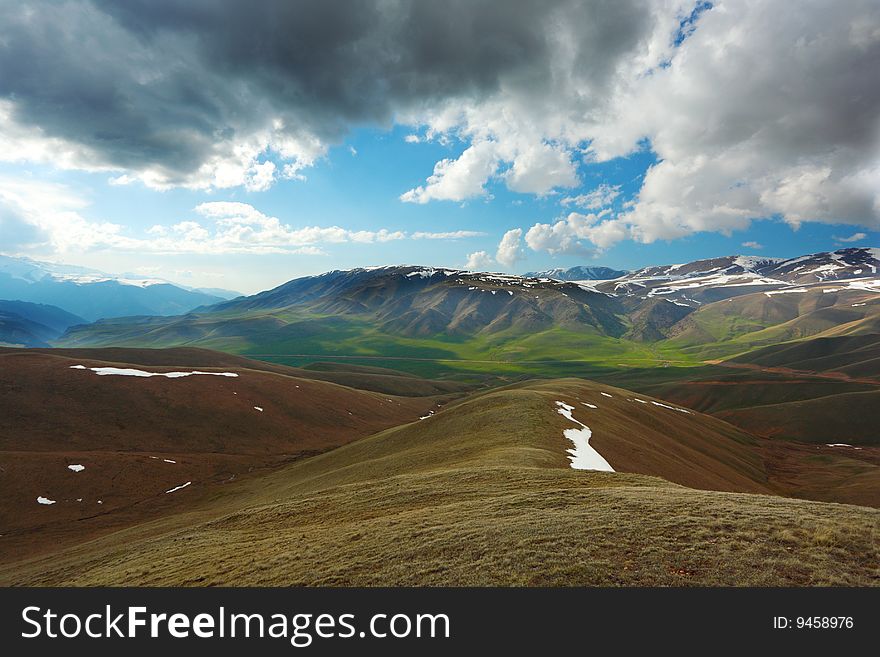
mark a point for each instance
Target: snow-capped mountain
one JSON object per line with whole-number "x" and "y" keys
{"x": 579, "y": 273}
{"x": 709, "y": 280}
{"x": 94, "y": 294}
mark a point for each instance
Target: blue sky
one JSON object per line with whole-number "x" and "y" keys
{"x": 611, "y": 138}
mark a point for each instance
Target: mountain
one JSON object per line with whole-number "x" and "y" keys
{"x": 216, "y": 292}
{"x": 481, "y": 492}
{"x": 696, "y": 282}
{"x": 708, "y": 309}
{"x": 92, "y": 294}
{"x": 32, "y": 324}
{"x": 578, "y": 273}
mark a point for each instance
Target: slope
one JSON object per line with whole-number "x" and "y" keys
{"x": 482, "y": 493}
{"x": 32, "y": 324}
{"x": 134, "y": 437}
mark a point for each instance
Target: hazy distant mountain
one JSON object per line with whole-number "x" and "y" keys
{"x": 579, "y": 273}
{"x": 216, "y": 292}
{"x": 92, "y": 294}
{"x": 33, "y": 324}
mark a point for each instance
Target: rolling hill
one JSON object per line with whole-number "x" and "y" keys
{"x": 483, "y": 492}
{"x": 137, "y": 424}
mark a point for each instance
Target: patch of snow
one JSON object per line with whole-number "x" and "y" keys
{"x": 583, "y": 456}
{"x": 258, "y": 408}
{"x": 671, "y": 408}
{"x": 857, "y": 304}
{"x": 641, "y": 401}
{"x": 44, "y": 500}
{"x": 76, "y": 467}
{"x": 589, "y": 405}
{"x": 797, "y": 289}
{"x": 169, "y": 461}
{"x": 124, "y": 371}
{"x": 175, "y": 488}
{"x": 604, "y": 394}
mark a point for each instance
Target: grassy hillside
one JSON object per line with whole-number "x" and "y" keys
{"x": 838, "y": 418}
{"x": 857, "y": 355}
{"x": 482, "y": 493}
{"x": 136, "y": 438}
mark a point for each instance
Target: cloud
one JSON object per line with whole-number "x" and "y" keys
{"x": 478, "y": 261}
{"x": 510, "y": 250}
{"x": 753, "y": 245}
{"x": 753, "y": 109}
{"x": 449, "y": 235}
{"x": 566, "y": 236}
{"x": 459, "y": 179}
{"x": 176, "y": 94}
{"x": 758, "y": 113}
{"x": 600, "y": 197}
{"x": 36, "y": 215}
{"x": 855, "y": 237}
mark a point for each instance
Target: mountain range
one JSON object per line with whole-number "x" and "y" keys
{"x": 92, "y": 294}
{"x": 693, "y": 311}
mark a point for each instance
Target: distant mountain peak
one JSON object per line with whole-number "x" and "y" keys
{"x": 578, "y": 273}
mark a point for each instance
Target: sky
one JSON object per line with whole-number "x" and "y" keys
{"x": 238, "y": 145}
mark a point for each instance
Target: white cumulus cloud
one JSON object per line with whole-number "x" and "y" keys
{"x": 510, "y": 249}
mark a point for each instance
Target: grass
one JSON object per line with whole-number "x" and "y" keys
{"x": 480, "y": 494}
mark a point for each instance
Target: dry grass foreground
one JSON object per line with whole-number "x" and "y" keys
{"x": 481, "y": 494}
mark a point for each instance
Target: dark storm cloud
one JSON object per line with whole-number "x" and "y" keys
{"x": 167, "y": 85}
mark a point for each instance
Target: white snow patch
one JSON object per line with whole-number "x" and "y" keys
{"x": 583, "y": 456}
{"x": 258, "y": 408}
{"x": 641, "y": 401}
{"x": 169, "y": 461}
{"x": 175, "y": 488}
{"x": 589, "y": 405}
{"x": 76, "y": 467}
{"x": 855, "y": 305}
{"x": 44, "y": 500}
{"x": 797, "y": 289}
{"x": 605, "y": 394}
{"x": 124, "y": 371}
{"x": 671, "y": 408}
